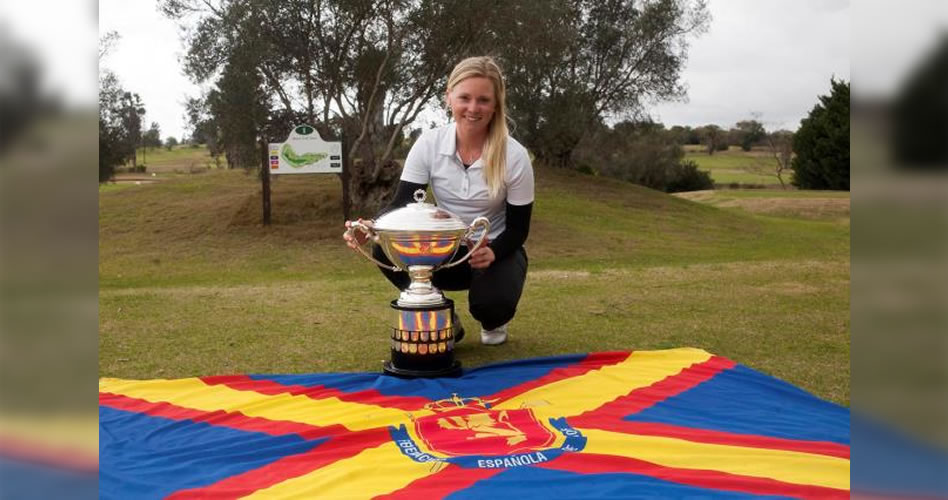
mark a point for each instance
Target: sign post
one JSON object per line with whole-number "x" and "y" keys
{"x": 265, "y": 179}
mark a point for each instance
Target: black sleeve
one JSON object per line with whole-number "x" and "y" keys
{"x": 516, "y": 231}
{"x": 404, "y": 194}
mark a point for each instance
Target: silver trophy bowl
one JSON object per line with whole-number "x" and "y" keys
{"x": 419, "y": 239}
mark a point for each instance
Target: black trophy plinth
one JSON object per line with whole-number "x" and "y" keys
{"x": 423, "y": 342}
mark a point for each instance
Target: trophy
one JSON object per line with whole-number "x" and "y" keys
{"x": 419, "y": 239}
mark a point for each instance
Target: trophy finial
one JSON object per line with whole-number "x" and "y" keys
{"x": 419, "y": 195}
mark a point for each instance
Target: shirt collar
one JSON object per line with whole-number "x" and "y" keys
{"x": 448, "y": 145}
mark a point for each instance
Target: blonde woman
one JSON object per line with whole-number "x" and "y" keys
{"x": 475, "y": 169}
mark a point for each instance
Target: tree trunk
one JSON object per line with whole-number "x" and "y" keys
{"x": 368, "y": 195}
{"x": 367, "y": 182}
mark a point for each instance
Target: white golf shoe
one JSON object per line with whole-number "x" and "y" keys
{"x": 496, "y": 336}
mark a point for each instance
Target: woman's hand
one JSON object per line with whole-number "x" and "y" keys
{"x": 482, "y": 257}
{"x": 355, "y": 238}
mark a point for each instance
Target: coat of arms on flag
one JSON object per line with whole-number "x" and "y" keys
{"x": 643, "y": 424}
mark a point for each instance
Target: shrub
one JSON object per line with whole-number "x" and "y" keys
{"x": 685, "y": 176}
{"x": 642, "y": 153}
{"x": 586, "y": 169}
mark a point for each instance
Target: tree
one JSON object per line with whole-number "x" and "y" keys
{"x": 120, "y": 114}
{"x": 240, "y": 110}
{"x": 203, "y": 126}
{"x": 750, "y": 132}
{"x": 107, "y": 42}
{"x": 714, "y": 138}
{"x": 572, "y": 63}
{"x": 131, "y": 111}
{"x": 171, "y": 142}
{"x": 111, "y": 133}
{"x": 361, "y": 69}
{"x": 685, "y": 135}
{"x": 780, "y": 145}
{"x": 152, "y": 137}
{"x": 821, "y": 143}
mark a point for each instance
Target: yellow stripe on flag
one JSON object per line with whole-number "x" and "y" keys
{"x": 572, "y": 396}
{"x": 389, "y": 471}
{"x": 787, "y": 466}
{"x": 195, "y": 394}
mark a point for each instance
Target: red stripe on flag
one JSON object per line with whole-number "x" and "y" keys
{"x": 453, "y": 478}
{"x": 337, "y": 448}
{"x": 640, "y": 399}
{"x": 271, "y": 388}
{"x": 220, "y": 418}
{"x": 712, "y": 437}
{"x": 591, "y": 362}
{"x": 590, "y": 463}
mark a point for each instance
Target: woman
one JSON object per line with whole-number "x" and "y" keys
{"x": 475, "y": 169}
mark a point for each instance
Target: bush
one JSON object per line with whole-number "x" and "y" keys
{"x": 586, "y": 169}
{"x": 685, "y": 176}
{"x": 642, "y": 153}
{"x": 822, "y": 143}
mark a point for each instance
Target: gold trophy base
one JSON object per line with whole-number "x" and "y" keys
{"x": 422, "y": 341}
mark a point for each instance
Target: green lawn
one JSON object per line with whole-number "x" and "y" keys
{"x": 182, "y": 159}
{"x": 192, "y": 284}
{"x": 792, "y": 203}
{"x": 737, "y": 166}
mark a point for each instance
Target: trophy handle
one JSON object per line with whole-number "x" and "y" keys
{"x": 482, "y": 221}
{"x": 353, "y": 225}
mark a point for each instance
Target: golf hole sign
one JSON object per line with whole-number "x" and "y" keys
{"x": 305, "y": 152}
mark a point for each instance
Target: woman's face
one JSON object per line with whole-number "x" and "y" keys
{"x": 472, "y": 103}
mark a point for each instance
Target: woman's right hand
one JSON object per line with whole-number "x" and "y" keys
{"x": 355, "y": 238}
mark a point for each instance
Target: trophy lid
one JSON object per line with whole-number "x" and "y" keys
{"x": 420, "y": 216}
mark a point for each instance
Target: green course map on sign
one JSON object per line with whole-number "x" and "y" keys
{"x": 300, "y": 160}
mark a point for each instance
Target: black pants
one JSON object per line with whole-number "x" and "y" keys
{"x": 493, "y": 293}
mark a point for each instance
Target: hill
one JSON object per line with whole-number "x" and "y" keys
{"x": 192, "y": 284}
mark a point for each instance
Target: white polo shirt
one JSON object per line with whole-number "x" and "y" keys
{"x": 434, "y": 160}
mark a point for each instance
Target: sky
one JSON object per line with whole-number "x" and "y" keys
{"x": 764, "y": 58}
{"x": 768, "y": 59}
{"x": 146, "y": 59}
{"x": 771, "y": 58}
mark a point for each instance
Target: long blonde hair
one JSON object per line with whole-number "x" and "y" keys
{"x": 495, "y": 148}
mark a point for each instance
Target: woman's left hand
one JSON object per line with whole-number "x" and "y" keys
{"x": 482, "y": 257}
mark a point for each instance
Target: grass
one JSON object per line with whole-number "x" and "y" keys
{"x": 817, "y": 205}
{"x": 181, "y": 159}
{"x": 192, "y": 284}
{"x": 753, "y": 167}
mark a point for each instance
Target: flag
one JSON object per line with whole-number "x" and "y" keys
{"x": 642, "y": 424}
